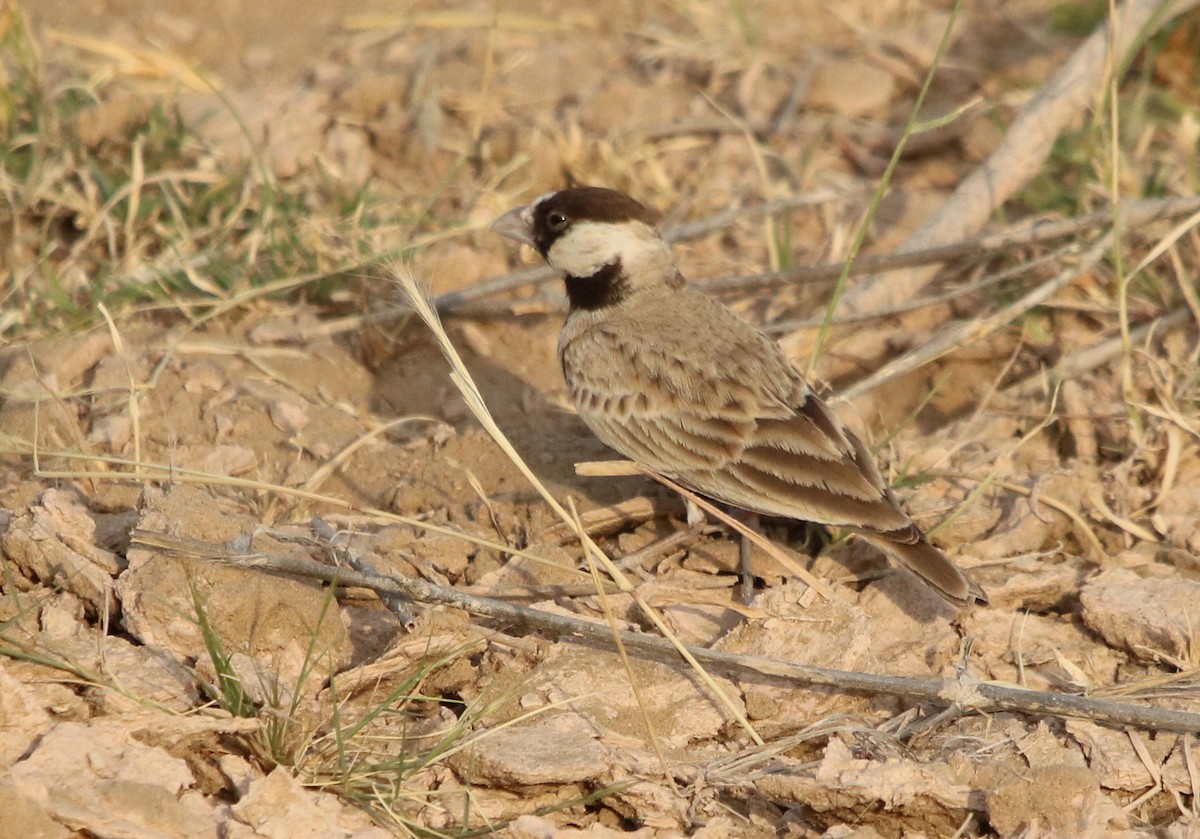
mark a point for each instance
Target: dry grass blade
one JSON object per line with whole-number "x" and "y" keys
{"x": 150, "y": 471}
{"x": 615, "y": 632}
{"x": 1082, "y": 528}
{"x": 463, "y": 19}
{"x": 142, "y": 63}
{"x": 461, "y": 377}
{"x": 982, "y": 485}
{"x": 330, "y": 466}
{"x": 911, "y": 127}
{"x": 1096, "y": 497}
{"x": 135, "y": 413}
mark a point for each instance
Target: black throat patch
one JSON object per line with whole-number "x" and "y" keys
{"x": 606, "y": 287}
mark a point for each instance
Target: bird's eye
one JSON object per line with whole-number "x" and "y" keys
{"x": 557, "y": 221}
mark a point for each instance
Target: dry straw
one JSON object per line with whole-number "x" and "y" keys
{"x": 422, "y": 305}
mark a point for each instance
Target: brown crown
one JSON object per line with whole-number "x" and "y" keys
{"x": 554, "y": 214}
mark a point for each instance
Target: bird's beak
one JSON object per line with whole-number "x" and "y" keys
{"x": 515, "y": 225}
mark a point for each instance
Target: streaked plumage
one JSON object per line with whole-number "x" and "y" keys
{"x": 680, "y": 383}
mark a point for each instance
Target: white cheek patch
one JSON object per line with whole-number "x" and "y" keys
{"x": 588, "y": 246}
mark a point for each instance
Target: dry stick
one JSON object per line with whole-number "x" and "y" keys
{"x": 1024, "y": 148}
{"x": 1071, "y": 366}
{"x": 963, "y": 332}
{"x": 1055, "y": 257}
{"x": 984, "y": 697}
{"x": 455, "y": 301}
{"x": 614, "y": 518}
{"x": 1135, "y": 214}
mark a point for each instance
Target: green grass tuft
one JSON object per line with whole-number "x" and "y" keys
{"x": 113, "y": 199}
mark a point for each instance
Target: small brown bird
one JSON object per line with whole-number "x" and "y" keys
{"x": 680, "y": 383}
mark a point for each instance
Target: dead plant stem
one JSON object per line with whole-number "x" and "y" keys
{"x": 967, "y": 694}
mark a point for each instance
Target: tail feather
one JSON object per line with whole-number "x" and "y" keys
{"x": 933, "y": 567}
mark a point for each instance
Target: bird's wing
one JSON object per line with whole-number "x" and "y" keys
{"x": 725, "y": 413}
{"x": 780, "y": 473}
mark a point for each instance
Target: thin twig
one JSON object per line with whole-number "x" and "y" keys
{"x": 784, "y": 327}
{"x": 956, "y": 335}
{"x": 456, "y": 301}
{"x": 984, "y": 697}
{"x": 1136, "y": 213}
{"x": 1027, "y": 143}
{"x": 1073, "y": 365}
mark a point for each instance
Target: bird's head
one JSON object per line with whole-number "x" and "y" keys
{"x": 603, "y": 242}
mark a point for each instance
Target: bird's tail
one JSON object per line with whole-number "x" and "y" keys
{"x": 931, "y": 565}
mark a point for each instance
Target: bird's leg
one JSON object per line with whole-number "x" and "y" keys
{"x": 745, "y": 549}
{"x": 696, "y": 520}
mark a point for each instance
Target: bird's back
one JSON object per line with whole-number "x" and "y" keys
{"x": 692, "y": 390}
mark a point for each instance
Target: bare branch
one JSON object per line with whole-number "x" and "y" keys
{"x": 1025, "y": 146}
{"x": 965, "y": 693}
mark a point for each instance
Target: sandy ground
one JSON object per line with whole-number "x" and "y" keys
{"x": 331, "y": 430}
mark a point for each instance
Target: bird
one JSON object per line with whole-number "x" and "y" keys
{"x": 683, "y": 385}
